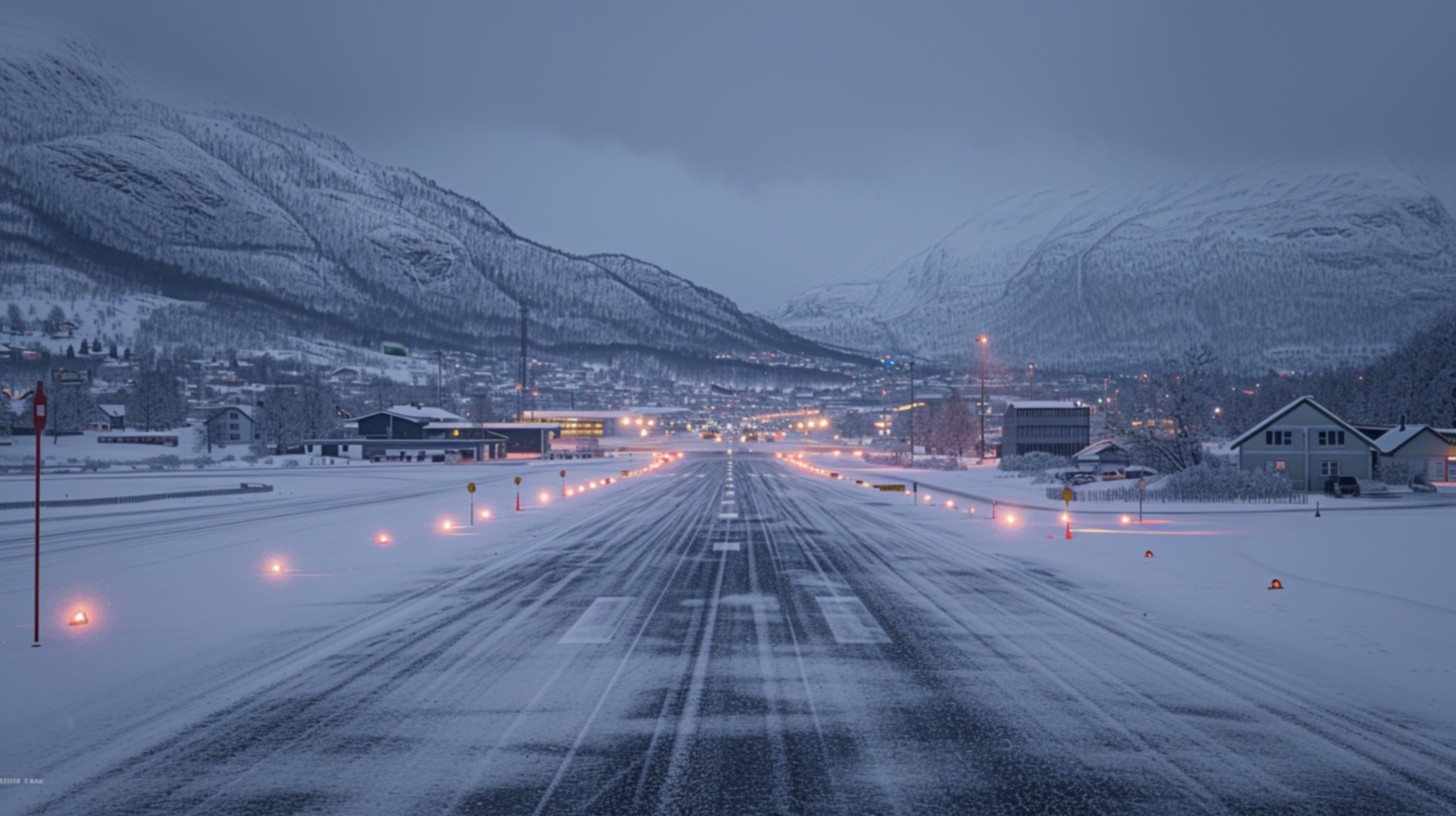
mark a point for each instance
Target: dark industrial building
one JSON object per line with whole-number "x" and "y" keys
{"x": 1060, "y": 428}
{"x": 425, "y": 430}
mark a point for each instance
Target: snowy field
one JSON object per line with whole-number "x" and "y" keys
{"x": 724, "y": 634}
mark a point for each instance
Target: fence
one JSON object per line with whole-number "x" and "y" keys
{"x": 1130, "y": 494}
{"x": 245, "y": 487}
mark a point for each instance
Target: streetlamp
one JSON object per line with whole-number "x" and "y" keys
{"x": 912, "y": 413}
{"x": 1031, "y": 381}
{"x": 981, "y": 406}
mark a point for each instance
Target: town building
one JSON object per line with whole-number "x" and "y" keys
{"x": 232, "y": 424}
{"x": 1306, "y": 443}
{"x": 1102, "y": 457}
{"x": 110, "y": 416}
{"x": 1045, "y": 426}
{"x": 1430, "y": 452}
{"x": 626, "y": 422}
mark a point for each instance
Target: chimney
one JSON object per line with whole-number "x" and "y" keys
{"x": 1402, "y": 422}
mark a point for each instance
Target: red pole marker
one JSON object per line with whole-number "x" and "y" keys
{"x": 1275, "y": 584}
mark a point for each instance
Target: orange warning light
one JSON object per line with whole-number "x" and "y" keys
{"x": 1275, "y": 584}
{"x": 78, "y": 619}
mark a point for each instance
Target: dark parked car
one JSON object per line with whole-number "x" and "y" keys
{"x": 1342, "y": 486}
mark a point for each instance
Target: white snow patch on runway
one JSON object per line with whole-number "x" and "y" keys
{"x": 850, "y": 621}
{"x": 600, "y": 621}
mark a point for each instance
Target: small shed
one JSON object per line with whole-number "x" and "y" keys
{"x": 1101, "y": 457}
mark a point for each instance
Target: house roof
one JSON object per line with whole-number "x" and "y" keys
{"x": 424, "y": 412}
{"x": 112, "y": 409}
{"x": 1097, "y": 449}
{"x": 245, "y": 410}
{"x": 497, "y": 426}
{"x": 1392, "y": 441}
{"x": 1041, "y": 404}
{"x": 426, "y": 415}
{"x": 1305, "y": 400}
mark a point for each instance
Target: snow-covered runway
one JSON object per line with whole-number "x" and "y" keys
{"x": 725, "y": 635}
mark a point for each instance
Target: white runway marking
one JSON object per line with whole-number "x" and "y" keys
{"x": 600, "y": 621}
{"x": 850, "y": 621}
{"x": 727, "y": 546}
{"x": 727, "y": 515}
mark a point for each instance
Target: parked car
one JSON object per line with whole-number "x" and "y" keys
{"x": 1342, "y": 486}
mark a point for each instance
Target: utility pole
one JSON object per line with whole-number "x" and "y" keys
{"x": 912, "y": 413}
{"x": 521, "y": 384}
{"x": 981, "y": 405}
{"x": 440, "y": 378}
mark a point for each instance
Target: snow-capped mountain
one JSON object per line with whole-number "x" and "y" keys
{"x": 1290, "y": 266}
{"x": 260, "y": 224}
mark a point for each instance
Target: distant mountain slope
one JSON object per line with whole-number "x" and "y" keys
{"x": 261, "y": 221}
{"x": 1289, "y": 267}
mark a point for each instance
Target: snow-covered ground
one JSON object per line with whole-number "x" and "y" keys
{"x": 716, "y": 637}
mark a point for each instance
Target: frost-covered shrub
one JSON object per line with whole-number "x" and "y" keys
{"x": 938, "y": 463}
{"x": 1397, "y": 471}
{"x": 93, "y": 464}
{"x": 202, "y": 462}
{"x": 1215, "y": 480}
{"x": 167, "y": 461}
{"x": 291, "y": 463}
{"x": 1033, "y": 463}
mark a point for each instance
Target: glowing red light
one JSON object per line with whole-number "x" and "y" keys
{"x": 1127, "y": 520}
{"x": 384, "y": 539}
{"x": 78, "y": 619}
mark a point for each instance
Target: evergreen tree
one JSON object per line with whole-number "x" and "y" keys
{"x": 17, "y": 320}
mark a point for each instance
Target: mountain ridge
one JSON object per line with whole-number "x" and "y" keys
{"x": 1115, "y": 276}
{"x": 212, "y": 205}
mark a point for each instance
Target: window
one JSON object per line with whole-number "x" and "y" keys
{"x": 1332, "y": 438}
{"x": 1279, "y": 437}
{"x": 1274, "y": 466}
{"x": 1329, "y": 468}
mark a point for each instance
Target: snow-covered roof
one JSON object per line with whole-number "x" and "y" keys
{"x": 1041, "y": 404}
{"x": 567, "y": 413}
{"x": 1392, "y": 441}
{"x": 1097, "y": 449}
{"x": 112, "y": 409}
{"x": 1305, "y": 400}
{"x": 245, "y": 410}
{"x": 424, "y": 412}
{"x": 509, "y": 425}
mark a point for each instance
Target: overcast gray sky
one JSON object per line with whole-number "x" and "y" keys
{"x": 760, "y": 148}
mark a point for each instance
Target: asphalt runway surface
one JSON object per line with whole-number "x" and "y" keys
{"x": 735, "y": 636}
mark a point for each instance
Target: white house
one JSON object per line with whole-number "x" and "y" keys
{"x": 232, "y": 424}
{"x": 1306, "y": 443}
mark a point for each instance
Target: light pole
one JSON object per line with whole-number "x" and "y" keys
{"x": 1031, "y": 381}
{"x": 912, "y": 413}
{"x": 981, "y": 405}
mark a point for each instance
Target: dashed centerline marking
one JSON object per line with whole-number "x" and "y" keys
{"x": 600, "y": 621}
